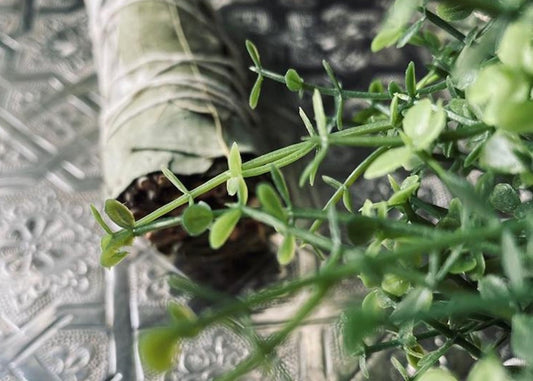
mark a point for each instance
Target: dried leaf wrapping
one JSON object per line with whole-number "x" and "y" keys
{"x": 171, "y": 96}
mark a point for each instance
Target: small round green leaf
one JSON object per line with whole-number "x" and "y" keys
{"x": 394, "y": 88}
{"x": 516, "y": 46}
{"x": 463, "y": 264}
{"x": 524, "y": 210}
{"x": 119, "y": 214}
{"x": 361, "y": 229}
{"x": 436, "y": 374}
{"x": 423, "y": 125}
{"x": 500, "y": 96}
{"x": 111, "y": 245}
{"x": 418, "y": 300}
{"x": 270, "y": 201}
{"x": 197, "y": 218}
{"x": 159, "y": 347}
{"x": 488, "y": 369}
{"x": 460, "y": 107}
{"x": 293, "y": 81}
{"x": 286, "y": 250}
{"x": 388, "y": 162}
{"x": 452, "y": 11}
{"x": 222, "y": 228}
{"x": 394, "y": 285}
{"x": 372, "y": 305}
{"x": 112, "y": 258}
{"x": 492, "y": 287}
{"x": 376, "y": 86}
{"x": 498, "y": 153}
{"x": 180, "y": 312}
{"x": 357, "y": 324}
{"x": 504, "y": 198}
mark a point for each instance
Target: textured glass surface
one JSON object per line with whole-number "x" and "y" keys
{"x": 62, "y": 317}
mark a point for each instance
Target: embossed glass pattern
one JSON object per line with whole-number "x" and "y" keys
{"x": 63, "y": 317}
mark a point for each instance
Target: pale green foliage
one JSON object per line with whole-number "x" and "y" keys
{"x": 223, "y": 227}
{"x": 422, "y": 125}
{"x": 436, "y": 375}
{"x": 452, "y": 269}
{"x": 395, "y": 23}
{"x": 488, "y": 369}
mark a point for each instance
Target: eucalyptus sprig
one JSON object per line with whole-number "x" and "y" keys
{"x": 452, "y": 270}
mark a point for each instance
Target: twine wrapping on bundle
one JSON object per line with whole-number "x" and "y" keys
{"x": 171, "y": 89}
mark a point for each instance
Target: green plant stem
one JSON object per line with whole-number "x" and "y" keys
{"x": 390, "y": 226}
{"x": 236, "y": 307}
{"x": 412, "y": 216}
{"x": 279, "y": 158}
{"x": 370, "y": 349}
{"x": 459, "y": 118}
{"x": 432, "y": 88}
{"x": 464, "y": 305}
{"x": 260, "y": 165}
{"x": 441, "y": 351}
{"x": 352, "y": 177}
{"x": 456, "y": 337}
{"x": 427, "y": 335}
{"x": 205, "y": 187}
{"x": 364, "y": 129}
{"x": 465, "y": 132}
{"x": 363, "y": 141}
{"x": 162, "y": 223}
{"x": 323, "y": 90}
{"x": 444, "y": 25}
{"x": 269, "y": 157}
{"x": 433, "y": 210}
{"x": 280, "y": 163}
{"x": 268, "y": 345}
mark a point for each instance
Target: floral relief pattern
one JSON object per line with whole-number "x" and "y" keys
{"x": 76, "y": 355}
{"x": 209, "y": 355}
{"x": 47, "y": 253}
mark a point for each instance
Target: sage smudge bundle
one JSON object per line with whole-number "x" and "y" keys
{"x": 172, "y": 96}
{"x": 171, "y": 89}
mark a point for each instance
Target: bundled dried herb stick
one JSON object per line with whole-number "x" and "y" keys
{"x": 172, "y": 97}
{"x": 170, "y": 89}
